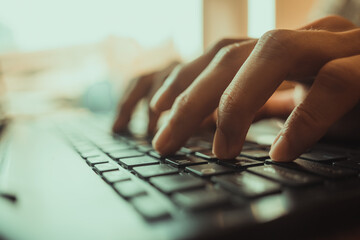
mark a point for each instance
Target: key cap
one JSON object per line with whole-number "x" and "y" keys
{"x": 155, "y": 154}
{"x": 240, "y": 162}
{"x": 206, "y": 154}
{"x": 96, "y": 160}
{"x": 115, "y": 176}
{"x": 174, "y": 183}
{"x": 323, "y": 170}
{"x": 353, "y": 164}
{"x": 200, "y": 199}
{"x": 129, "y": 189}
{"x": 208, "y": 170}
{"x": 258, "y": 154}
{"x": 145, "y": 148}
{"x": 285, "y": 176}
{"x": 92, "y": 153}
{"x": 192, "y": 149}
{"x": 320, "y": 156}
{"x": 150, "y": 208}
{"x": 105, "y": 167}
{"x": 185, "y": 161}
{"x": 155, "y": 170}
{"x": 126, "y": 154}
{"x": 247, "y": 184}
{"x": 138, "y": 161}
{"x": 115, "y": 149}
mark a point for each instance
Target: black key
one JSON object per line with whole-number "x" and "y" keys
{"x": 353, "y": 164}
{"x": 129, "y": 189}
{"x": 138, "y": 161}
{"x": 185, "y": 161}
{"x": 247, "y": 184}
{"x": 105, "y": 167}
{"x": 208, "y": 170}
{"x": 323, "y": 170}
{"x": 174, "y": 183}
{"x": 115, "y": 149}
{"x": 145, "y": 148}
{"x": 155, "y": 170}
{"x": 115, "y": 176}
{"x": 320, "y": 156}
{"x": 92, "y": 153}
{"x": 285, "y": 176}
{"x": 97, "y": 160}
{"x": 258, "y": 154}
{"x": 206, "y": 154}
{"x": 154, "y": 154}
{"x": 192, "y": 149}
{"x": 240, "y": 162}
{"x": 200, "y": 199}
{"x": 149, "y": 208}
{"x": 126, "y": 154}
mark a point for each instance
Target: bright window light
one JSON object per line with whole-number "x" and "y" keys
{"x": 46, "y": 24}
{"x": 261, "y": 17}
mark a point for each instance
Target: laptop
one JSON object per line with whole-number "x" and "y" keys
{"x": 66, "y": 176}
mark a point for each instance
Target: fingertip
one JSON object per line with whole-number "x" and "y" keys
{"x": 281, "y": 150}
{"x": 161, "y": 141}
{"x": 221, "y": 148}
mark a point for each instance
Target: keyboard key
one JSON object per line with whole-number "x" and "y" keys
{"x": 105, "y": 167}
{"x": 115, "y": 176}
{"x": 155, "y": 170}
{"x": 126, "y": 154}
{"x": 320, "y": 156}
{"x": 240, "y": 162}
{"x": 208, "y": 170}
{"x": 174, "y": 183}
{"x": 285, "y": 176}
{"x": 145, "y": 148}
{"x": 92, "y": 153}
{"x": 247, "y": 184}
{"x": 155, "y": 154}
{"x": 150, "y": 208}
{"x": 129, "y": 189}
{"x": 185, "y": 161}
{"x": 115, "y": 149}
{"x": 192, "y": 149}
{"x": 206, "y": 154}
{"x": 324, "y": 170}
{"x": 200, "y": 199}
{"x": 353, "y": 164}
{"x": 138, "y": 161}
{"x": 258, "y": 154}
{"x": 96, "y": 160}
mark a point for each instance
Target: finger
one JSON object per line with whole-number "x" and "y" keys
{"x": 184, "y": 75}
{"x": 279, "y": 54}
{"x": 137, "y": 90}
{"x": 201, "y": 98}
{"x": 336, "y": 91}
{"x": 159, "y": 80}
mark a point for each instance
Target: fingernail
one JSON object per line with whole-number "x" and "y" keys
{"x": 220, "y": 144}
{"x": 155, "y": 99}
{"x": 162, "y": 140}
{"x": 279, "y": 149}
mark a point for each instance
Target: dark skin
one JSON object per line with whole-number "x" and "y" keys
{"x": 238, "y": 77}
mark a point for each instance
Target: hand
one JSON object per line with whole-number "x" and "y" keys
{"x": 323, "y": 55}
{"x": 142, "y": 87}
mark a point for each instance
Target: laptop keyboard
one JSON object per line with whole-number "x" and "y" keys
{"x": 194, "y": 180}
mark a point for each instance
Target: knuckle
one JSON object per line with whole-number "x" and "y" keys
{"x": 182, "y": 104}
{"x": 228, "y": 54}
{"x": 276, "y": 42}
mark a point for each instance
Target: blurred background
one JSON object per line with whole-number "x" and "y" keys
{"x": 77, "y": 52}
